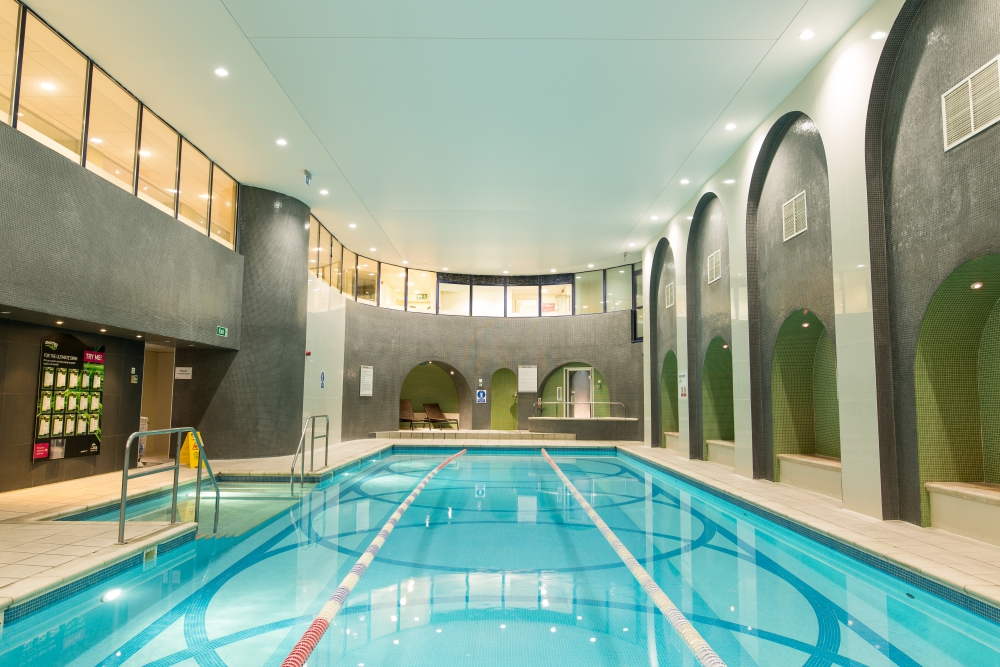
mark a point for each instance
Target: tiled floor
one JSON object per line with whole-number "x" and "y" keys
{"x": 36, "y": 555}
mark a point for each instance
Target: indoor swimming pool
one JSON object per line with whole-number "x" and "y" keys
{"x": 496, "y": 564}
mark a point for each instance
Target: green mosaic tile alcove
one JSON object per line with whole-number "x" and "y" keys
{"x": 717, "y": 392}
{"x": 668, "y": 394}
{"x": 428, "y": 383}
{"x": 957, "y": 380}
{"x": 805, "y": 411}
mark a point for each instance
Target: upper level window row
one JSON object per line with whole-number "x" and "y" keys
{"x": 416, "y": 290}
{"x": 56, "y": 95}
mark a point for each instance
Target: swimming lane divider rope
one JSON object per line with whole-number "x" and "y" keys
{"x": 702, "y": 651}
{"x": 305, "y": 646}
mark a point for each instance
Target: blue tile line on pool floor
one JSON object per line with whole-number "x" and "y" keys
{"x": 958, "y": 598}
{"x": 20, "y": 611}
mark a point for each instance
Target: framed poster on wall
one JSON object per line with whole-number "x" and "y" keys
{"x": 70, "y": 399}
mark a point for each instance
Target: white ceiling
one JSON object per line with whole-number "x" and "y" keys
{"x": 520, "y": 136}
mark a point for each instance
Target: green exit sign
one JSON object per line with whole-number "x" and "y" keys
{"x": 222, "y": 331}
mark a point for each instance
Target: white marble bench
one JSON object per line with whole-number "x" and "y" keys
{"x": 672, "y": 441}
{"x": 971, "y": 509}
{"x": 721, "y": 451}
{"x": 819, "y": 474}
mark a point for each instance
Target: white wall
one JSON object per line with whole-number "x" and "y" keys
{"x": 835, "y": 95}
{"x": 325, "y": 326}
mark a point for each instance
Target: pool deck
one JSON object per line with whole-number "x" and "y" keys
{"x": 38, "y": 555}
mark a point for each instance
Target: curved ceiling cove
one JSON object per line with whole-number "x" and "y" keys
{"x": 477, "y": 136}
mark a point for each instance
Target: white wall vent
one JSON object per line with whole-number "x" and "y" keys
{"x": 714, "y": 266}
{"x": 793, "y": 216}
{"x": 668, "y": 295}
{"x": 972, "y": 106}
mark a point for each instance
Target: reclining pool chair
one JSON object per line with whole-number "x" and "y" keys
{"x": 435, "y": 416}
{"x": 406, "y": 415}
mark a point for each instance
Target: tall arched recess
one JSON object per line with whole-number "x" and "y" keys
{"x": 931, "y": 210}
{"x": 709, "y": 313}
{"x": 789, "y": 268}
{"x": 662, "y": 333}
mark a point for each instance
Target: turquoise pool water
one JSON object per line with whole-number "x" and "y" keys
{"x": 495, "y": 564}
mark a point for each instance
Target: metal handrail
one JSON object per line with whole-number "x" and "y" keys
{"x": 177, "y": 472}
{"x": 312, "y": 450}
{"x": 539, "y": 403}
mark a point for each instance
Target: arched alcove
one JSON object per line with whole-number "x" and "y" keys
{"x": 662, "y": 334}
{"x": 805, "y": 410}
{"x": 669, "y": 415}
{"x": 709, "y": 311}
{"x": 718, "y": 426}
{"x": 957, "y": 381}
{"x": 503, "y": 400}
{"x": 554, "y": 392}
{"x": 438, "y": 382}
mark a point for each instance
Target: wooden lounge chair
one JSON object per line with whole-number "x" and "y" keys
{"x": 406, "y": 415}
{"x": 435, "y": 416}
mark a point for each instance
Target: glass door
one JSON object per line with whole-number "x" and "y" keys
{"x": 579, "y": 383}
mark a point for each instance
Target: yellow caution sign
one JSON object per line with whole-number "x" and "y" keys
{"x": 189, "y": 450}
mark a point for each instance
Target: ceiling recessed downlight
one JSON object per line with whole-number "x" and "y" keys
{"x": 656, "y": 217}
{"x": 352, "y": 225}
{"x": 631, "y": 245}
{"x": 878, "y": 34}
{"x": 690, "y": 217}
{"x": 104, "y": 330}
{"x": 684, "y": 181}
{"x": 731, "y": 126}
{"x": 96, "y": 140}
{"x": 45, "y": 85}
{"x": 406, "y": 261}
{"x": 222, "y": 71}
{"x": 552, "y": 270}
{"x": 324, "y": 192}
{"x": 59, "y": 321}
{"x": 729, "y": 181}
{"x": 590, "y": 266}
{"x": 505, "y": 272}
{"x": 371, "y": 249}
{"x": 806, "y": 35}
{"x": 281, "y": 142}
{"x": 444, "y": 268}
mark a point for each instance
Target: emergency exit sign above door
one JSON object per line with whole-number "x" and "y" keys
{"x": 222, "y": 331}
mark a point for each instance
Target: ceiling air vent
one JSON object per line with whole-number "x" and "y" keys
{"x": 793, "y": 216}
{"x": 714, "y": 266}
{"x": 668, "y": 295}
{"x": 973, "y": 105}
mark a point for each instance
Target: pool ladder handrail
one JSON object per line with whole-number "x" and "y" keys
{"x": 312, "y": 450}
{"x": 202, "y": 459}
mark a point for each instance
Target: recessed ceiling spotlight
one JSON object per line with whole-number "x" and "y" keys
{"x": 684, "y": 181}
{"x": 45, "y": 85}
{"x": 726, "y": 346}
{"x": 324, "y": 192}
{"x": 371, "y": 249}
{"x": 690, "y": 217}
{"x": 505, "y": 272}
{"x": 878, "y": 34}
{"x": 731, "y": 126}
{"x": 138, "y": 335}
{"x": 656, "y": 217}
{"x": 631, "y": 245}
{"x": 590, "y": 266}
{"x": 976, "y": 285}
{"x": 104, "y": 331}
{"x": 282, "y": 142}
{"x": 553, "y": 270}
{"x": 729, "y": 181}
{"x": 444, "y": 268}
{"x": 59, "y": 321}
{"x": 4, "y": 312}
{"x": 96, "y": 140}
{"x": 806, "y": 35}
{"x": 352, "y": 225}
{"x": 144, "y": 153}
{"x": 222, "y": 71}
{"x": 406, "y": 261}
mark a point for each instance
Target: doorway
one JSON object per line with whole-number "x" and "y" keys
{"x": 157, "y": 399}
{"x": 579, "y": 383}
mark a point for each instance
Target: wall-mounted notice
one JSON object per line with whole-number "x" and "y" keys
{"x": 70, "y": 399}
{"x": 527, "y": 379}
{"x": 182, "y": 372}
{"x": 682, "y": 385}
{"x": 367, "y": 379}
{"x": 480, "y": 396}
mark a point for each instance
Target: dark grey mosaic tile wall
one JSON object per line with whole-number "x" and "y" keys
{"x": 940, "y": 208}
{"x": 394, "y": 342}
{"x": 249, "y": 403}
{"x": 77, "y": 247}
{"x": 797, "y": 273}
{"x": 708, "y": 307}
{"x": 663, "y": 330}
{"x": 20, "y": 346}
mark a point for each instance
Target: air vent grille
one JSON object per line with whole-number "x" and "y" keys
{"x": 714, "y": 266}
{"x": 973, "y": 105}
{"x": 793, "y": 216}
{"x": 668, "y": 295}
